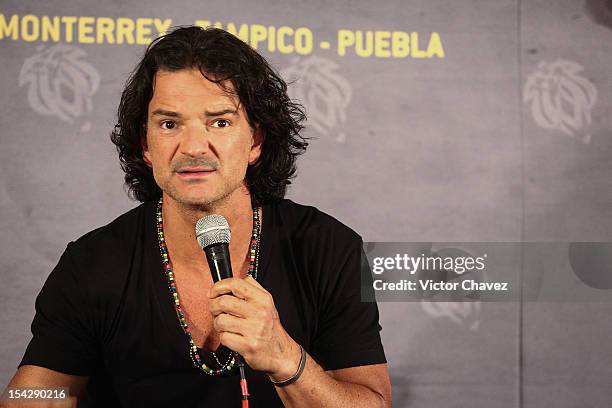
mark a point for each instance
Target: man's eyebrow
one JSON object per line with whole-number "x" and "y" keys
{"x": 162, "y": 112}
{"x": 222, "y": 112}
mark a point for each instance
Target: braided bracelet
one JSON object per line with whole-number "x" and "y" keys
{"x": 297, "y": 374}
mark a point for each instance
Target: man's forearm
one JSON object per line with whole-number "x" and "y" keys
{"x": 317, "y": 387}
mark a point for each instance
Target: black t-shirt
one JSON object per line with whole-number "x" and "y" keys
{"x": 106, "y": 311}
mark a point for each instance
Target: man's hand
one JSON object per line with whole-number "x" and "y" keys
{"x": 247, "y": 322}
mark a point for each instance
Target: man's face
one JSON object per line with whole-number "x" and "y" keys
{"x": 199, "y": 142}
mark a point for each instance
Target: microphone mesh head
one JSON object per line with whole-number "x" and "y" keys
{"x": 212, "y": 229}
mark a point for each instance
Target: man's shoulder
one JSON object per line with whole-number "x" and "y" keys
{"x": 118, "y": 234}
{"x": 99, "y": 261}
{"x": 310, "y": 222}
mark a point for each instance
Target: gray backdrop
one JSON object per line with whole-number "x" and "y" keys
{"x": 505, "y": 136}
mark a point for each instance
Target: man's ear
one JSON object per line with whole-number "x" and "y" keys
{"x": 257, "y": 143}
{"x": 146, "y": 155}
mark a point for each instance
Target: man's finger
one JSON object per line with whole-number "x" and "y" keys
{"x": 231, "y": 324}
{"x": 252, "y": 281}
{"x": 234, "y": 342}
{"x": 238, "y": 287}
{"x": 230, "y": 304}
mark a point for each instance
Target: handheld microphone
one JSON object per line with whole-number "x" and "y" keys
{"x": 214, "y": 235}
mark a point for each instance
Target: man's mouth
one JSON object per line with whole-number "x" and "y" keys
{"x": 191, "y": 172}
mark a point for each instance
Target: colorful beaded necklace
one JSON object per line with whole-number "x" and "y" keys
{"x": 252, "y": 271}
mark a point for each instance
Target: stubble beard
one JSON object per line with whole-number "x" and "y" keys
{"x": 205, "y": 202}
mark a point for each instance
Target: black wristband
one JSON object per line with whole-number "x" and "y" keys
{"x": 297, "y": 374}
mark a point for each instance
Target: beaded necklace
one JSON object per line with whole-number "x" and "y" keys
{"x": 168, "y": 271}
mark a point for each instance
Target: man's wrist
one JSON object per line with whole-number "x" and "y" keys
{"x": 289, "y": 365}
{"x": 296, "y": 375}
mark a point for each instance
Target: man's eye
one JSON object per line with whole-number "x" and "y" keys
{"x": 168, "y": 125}
{"x": 221, "y": 123}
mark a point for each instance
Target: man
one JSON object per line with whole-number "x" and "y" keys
{"x": 130, "y": 316}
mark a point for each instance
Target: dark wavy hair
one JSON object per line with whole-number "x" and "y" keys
{"x": 220, "y": 56}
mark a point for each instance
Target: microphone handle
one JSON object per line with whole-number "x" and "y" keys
{"x": 219, "y": 261}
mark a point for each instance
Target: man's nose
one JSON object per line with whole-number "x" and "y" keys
{"x": 195, "y": 141}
